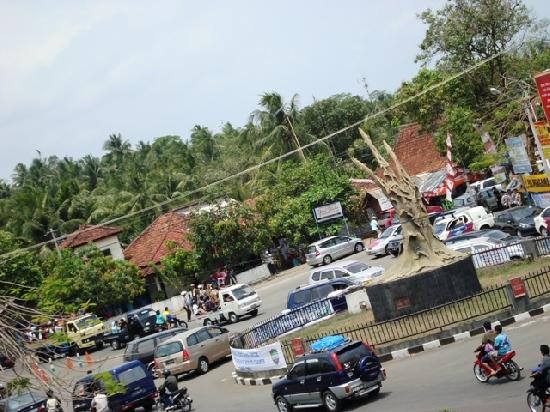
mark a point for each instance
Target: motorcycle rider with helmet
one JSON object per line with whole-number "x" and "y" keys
{"x": 170, "y": 388}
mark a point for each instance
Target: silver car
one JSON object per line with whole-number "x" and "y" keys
{"x": 331, "y": 248}
{"x": 381, "y": 246}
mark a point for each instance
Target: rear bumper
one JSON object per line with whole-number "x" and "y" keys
{"x": 377, "y": 250}
{"x": 316, "y": 260}
{"x": 358, "y": 388}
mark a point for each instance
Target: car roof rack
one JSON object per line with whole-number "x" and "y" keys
{"x": 328, "y": 343}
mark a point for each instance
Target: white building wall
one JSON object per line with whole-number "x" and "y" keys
{"x": 112, "y": 244}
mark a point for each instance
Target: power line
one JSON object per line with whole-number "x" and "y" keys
{"x": 289, "y": 153}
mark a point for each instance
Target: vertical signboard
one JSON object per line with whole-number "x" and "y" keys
{"x": 542, "y": 81}
{"x": 518, "y": 155}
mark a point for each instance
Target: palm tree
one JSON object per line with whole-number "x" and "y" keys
{"x": 275, "y": 122}
{"x": 116, "y": 148}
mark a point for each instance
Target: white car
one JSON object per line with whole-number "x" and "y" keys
{"x": 380, "y": 246}
{"x": 488, "y": 252}
{"x": 474, "y": 218}
{"x": 356, "y": 271}
{"x": 331, "y": 248}
{"x": 541, "y": 222}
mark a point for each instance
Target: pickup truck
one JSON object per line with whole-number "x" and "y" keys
{"x": 84, "y": 332}
{"x": 235, "y": 301}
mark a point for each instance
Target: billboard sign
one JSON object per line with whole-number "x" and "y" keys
{"x": 328, "y": 212}
{"x": 518, "y": 155}
{"x": 542, "y": 81}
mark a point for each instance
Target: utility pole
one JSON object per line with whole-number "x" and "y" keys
{"x": 52, "y": 232}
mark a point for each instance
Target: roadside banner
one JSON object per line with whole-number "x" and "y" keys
{"x": 541, "y": 200}
{"x": 536, "y": 183}
{"x": 543, "y": 137}
{"x": 518, "y": 155}
{"x": 328, "y": 212}
{"x": 542, "y": 81}
{"x": 264, "y": 358}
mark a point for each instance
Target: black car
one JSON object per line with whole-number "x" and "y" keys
{"x": 24, "y": 402}
{"x": 142, "y": 322}
{"x": 348, "y": 370}
{"x": 495, "y": 234}
{"x": 517, "y": 220}
{"x": 488, "y": 199}
{"x": 144, "y": 348}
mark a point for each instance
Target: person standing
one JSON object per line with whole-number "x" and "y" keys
{"x": 516, "y": 198}
{"x": 100, "y": 403}
{"x": 374, "y": 226}
{"x": 187, "y": 303}
{"x": 52, "y": 404}
{"x": 506, "y": 200}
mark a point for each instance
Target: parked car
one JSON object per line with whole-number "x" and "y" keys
{"x": 85, "y": 332}
{"x": 465, "y": 200}
{"x": 331, "y": 248}
{"x": 380, "y": 246}
{"x": 140, "y": 389}
{"x": 356, "y": 271}
{"x": 143, "y": 349}
{"x": 142, "y": 322}
{"x": 493, "y": 234}
{"x": 327, "y": 377}
{"x": 518, "y": 220}
{"x": 389, "y": 217}
{"x": 486, "y": 184}
{"x": 474, "y": 218}
{"x": 51, "y": 350}
{"x": 488, "y": 252}
{"x": 487, "y": 199}
{"x": 303, "y": 295}
{"x": 24, "y": 402}
{"x": 541, "y": 222}
{"x": 194, "y": 349}
{"x": 236, "y": 301}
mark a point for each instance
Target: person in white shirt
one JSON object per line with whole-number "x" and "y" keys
{"x": 100, "y": 403}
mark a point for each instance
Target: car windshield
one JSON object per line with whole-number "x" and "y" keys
{"x": 132, "y": 375}
{"x": 145, "y": 313}
{"x": 311, "y": 249}
{"x": 524, "y": 212}
{"x": 20, "y": 401}
{"x": 350, "y": 355}
{"x": 243, "y": 292}
{"x": 356, "y": 267}
{"x": 497, "y": 234}
{"x": 387, "y": 233}
{"x": 168, "y": 349}
{"x": 439, "y": 227}
{"x": 87, "y": 321}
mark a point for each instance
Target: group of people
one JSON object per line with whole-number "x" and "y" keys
{"x": 508, "y": 199}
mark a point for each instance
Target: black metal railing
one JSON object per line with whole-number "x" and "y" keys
{"x": 538, "y": 283}
{"x": 420, "y": 323}
{"x": 498, "y": 255}
{"x": 543, "y": 245}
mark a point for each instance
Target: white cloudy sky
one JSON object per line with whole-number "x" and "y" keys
{"x": 72, "y": 72}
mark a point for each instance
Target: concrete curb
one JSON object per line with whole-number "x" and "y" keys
{"x": 255, "y": 381}
{"x": 408, "y": 352}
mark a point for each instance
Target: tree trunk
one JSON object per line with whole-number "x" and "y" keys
{"x": 420, "y": 248}
{"x": 296, "y": 141}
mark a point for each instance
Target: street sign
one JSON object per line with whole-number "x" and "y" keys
{"x": 297, "y": 347}
{"x": 536, "y": 183}
{"x": 328, "y": 212}
{"x": 518, "y": 287}
{"x": 542, "y": 81}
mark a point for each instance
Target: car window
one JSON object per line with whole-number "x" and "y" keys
{"x": 301, "y": 296}
{"x": 214, "y": 332}
{"x": 132, "y": 375}
{"x": 321, "y": 292}
{"x": 339, "y": 286}
{"x": 203, "y": 335}
{"x": 315, "y": 276}
{"x": 146, "y": 346}
{"x": 325, "y": 366}
{"x": 463, "y": 250}
{"x": 350, "y": 355}
{"x": 399, "y": 230}
{"x": 20, "y": 401}
{"x": 356, "y": 267}
{"x": 192, "y": 340}
{"x": 312, "y": 366}
{"x": 168, "y": 349}
{"x": 297, "y": 371}
{"x": 489, "y": 183}
{"x": 311, "y": 249}
{"x": 327, "y": 274}
{"x": 546, "y": 213}
{"x": 478, "y": 248}
{"x": 340, "y": 273}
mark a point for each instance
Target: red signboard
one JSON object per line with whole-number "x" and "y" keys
{"x": 518, "y": 287}
{"x": 297, "y": 347}
{"x": 543, "y": 86}
{"x": 402, "y": 303}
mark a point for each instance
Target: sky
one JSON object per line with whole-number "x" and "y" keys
{"x": 73, "y": 72}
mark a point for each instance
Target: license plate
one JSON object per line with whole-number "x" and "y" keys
{"x": 169, "y": 362}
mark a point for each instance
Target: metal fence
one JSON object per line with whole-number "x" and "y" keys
{"x": 538, "y": 283}
{"x": 498, "y": 255}
{"x": 420, "y": 323}
{"x": 283, "y": 323}
{"x": 543, "y": 246}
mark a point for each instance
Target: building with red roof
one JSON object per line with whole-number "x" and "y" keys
{"x": 105, "y": 238}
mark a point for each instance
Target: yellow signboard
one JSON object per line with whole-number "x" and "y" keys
{"x": 542, "y": 133}
{"x": 536, "y": 183}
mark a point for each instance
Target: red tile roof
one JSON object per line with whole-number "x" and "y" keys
{"x": 417, "y": 151}
{"x": 150, "y": 245}
{"x": 88, "y": 233}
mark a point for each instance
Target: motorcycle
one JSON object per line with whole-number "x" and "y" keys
{"x": 179, "y": 401}
{"x": 537, "y": 397}
{"x": 508, "y": 368}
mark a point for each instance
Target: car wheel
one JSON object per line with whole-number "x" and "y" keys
{"x": 115, "y": 344}
{"x": 233, "y": 318}
{"x": 358, "y": 247}
{"x": 544, "y": 231}
{"x": 203, "y": 365}
{"x": 153, "y": 370}
{"x": 331, "y": 402}
{"x": 386, "y": 250}
{"x": 327, "y": 260}
{"x": 254, "y": 313}
{"x": 375, "y": 392}
{"x": 99, "y": 345}
{"x": 282, "y": 404}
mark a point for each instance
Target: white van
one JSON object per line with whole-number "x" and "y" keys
{"x": 235, "y": 301}
{"x": 476, "y": 216}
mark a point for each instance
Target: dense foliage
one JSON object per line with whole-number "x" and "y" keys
{"x": 60, "y": 194}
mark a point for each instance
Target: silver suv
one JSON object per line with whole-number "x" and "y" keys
{"x": 331, "y": 248}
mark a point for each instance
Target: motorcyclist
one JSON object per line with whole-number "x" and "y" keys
{"x": 502, "y": 343}
{"x": 168, "y": 388}
{"x": 486, "y": 349}
{"x": 542, "y": 374}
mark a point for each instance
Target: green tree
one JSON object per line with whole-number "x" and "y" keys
{"x": 178, "y": 267}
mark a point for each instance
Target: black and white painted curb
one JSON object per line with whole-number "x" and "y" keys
{"x": 255, "y": 381}
{"x": 407, "y": 352}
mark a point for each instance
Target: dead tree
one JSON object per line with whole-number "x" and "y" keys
{"x": 420, "y": 249}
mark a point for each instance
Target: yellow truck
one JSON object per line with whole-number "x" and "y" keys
{"x": 85, "y": 331}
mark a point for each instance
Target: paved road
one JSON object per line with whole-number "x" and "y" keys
{"x": 428, "y": 382}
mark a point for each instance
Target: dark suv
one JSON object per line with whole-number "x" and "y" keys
{"x": 349, "y": 370}
{"x": 304, "y": 295}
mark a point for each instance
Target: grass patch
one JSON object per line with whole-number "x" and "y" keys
{"x": 497, "y": 275}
